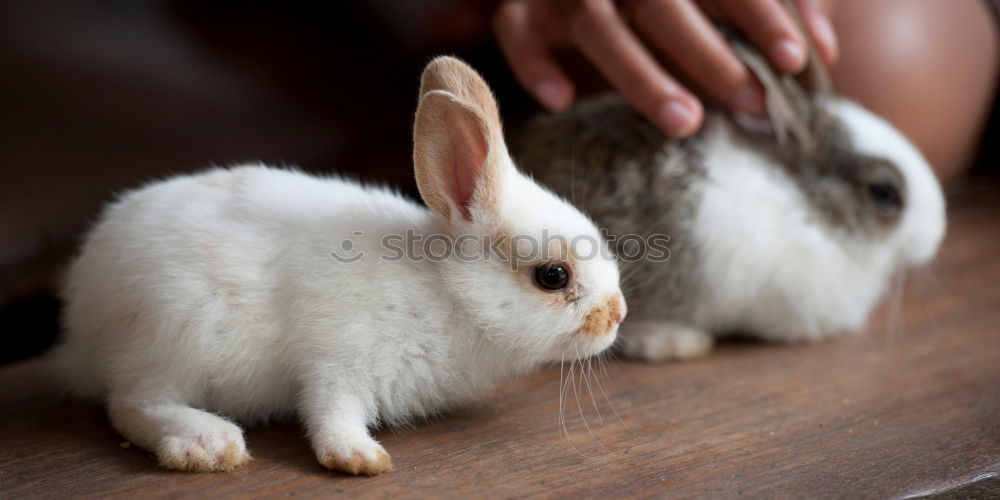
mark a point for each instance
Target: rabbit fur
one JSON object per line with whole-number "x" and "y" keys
{"x": 204, "y": 300}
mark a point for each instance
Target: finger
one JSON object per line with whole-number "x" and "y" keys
{"x": 526, "y": 50}
{"x": 602, "y": 35}
{"x": 682, "y": 33}
{"x": 817, "y": 22}
{"x": 771, "y": 28}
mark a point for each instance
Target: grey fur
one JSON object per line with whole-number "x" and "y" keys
{"x": 629, "y": 177}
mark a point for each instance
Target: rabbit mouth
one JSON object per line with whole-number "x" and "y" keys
{"x": 586, "y": 345}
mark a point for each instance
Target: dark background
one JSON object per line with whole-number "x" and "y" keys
{"x": 99, "y": 96}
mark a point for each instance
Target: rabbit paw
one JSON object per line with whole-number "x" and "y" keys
{"x": 357, "y": 455}
{"x": 664, "y": 341}
{"x": 216, "y": 448}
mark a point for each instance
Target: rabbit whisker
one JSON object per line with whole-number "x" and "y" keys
{"x": 601, "y": 364}
{"x": 563, "y": 390}
{"x": 577, "y": 386}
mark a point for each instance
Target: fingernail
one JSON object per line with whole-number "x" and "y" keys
{"x": 826, "y": 36}
{"x": 750, "y": 99}
{"x": 788, "y": 56}
{"x": 552, "y": 95}
{"x": 678, "y": 118}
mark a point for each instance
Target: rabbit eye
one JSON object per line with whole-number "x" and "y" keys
{"x": 884, "y": 195}
{"x": 552, "y": 277}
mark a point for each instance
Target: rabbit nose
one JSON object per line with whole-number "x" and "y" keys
{"x": 602, "y": 319}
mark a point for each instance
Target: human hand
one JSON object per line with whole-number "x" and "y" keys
{"x": 626, "y": 40}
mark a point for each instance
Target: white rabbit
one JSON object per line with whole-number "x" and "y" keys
{"x": 256, "y": 293}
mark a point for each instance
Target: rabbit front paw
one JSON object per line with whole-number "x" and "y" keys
{"x": 354, "y": 454}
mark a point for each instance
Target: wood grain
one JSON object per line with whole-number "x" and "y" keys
{"x": 909, "y": 408}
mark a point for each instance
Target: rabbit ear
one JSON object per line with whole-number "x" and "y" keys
{"x": 458, "y": 148}
{"x": 457, "y": 78}
{"x": 788, "y": 106}
{"x": 789, "y": 101}
{"x": 815, "y": 77}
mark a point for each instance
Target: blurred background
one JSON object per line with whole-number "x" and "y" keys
{"x": 99, "y": 96}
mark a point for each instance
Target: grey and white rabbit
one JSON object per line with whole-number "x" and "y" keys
{"x": 217, "y": 296}
{"x": 787, "y": 229}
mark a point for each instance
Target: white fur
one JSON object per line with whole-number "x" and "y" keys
{"x": 219, "y": 295}
{"x": 218, "y": 291}
{"x": 767, "y": 264}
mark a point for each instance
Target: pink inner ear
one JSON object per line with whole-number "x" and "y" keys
{"x": 468, "y": 157}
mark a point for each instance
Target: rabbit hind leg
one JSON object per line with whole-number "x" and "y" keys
{"x": 182, "y": 437}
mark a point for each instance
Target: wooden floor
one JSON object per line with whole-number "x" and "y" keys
{"x": 909, "y": 408}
